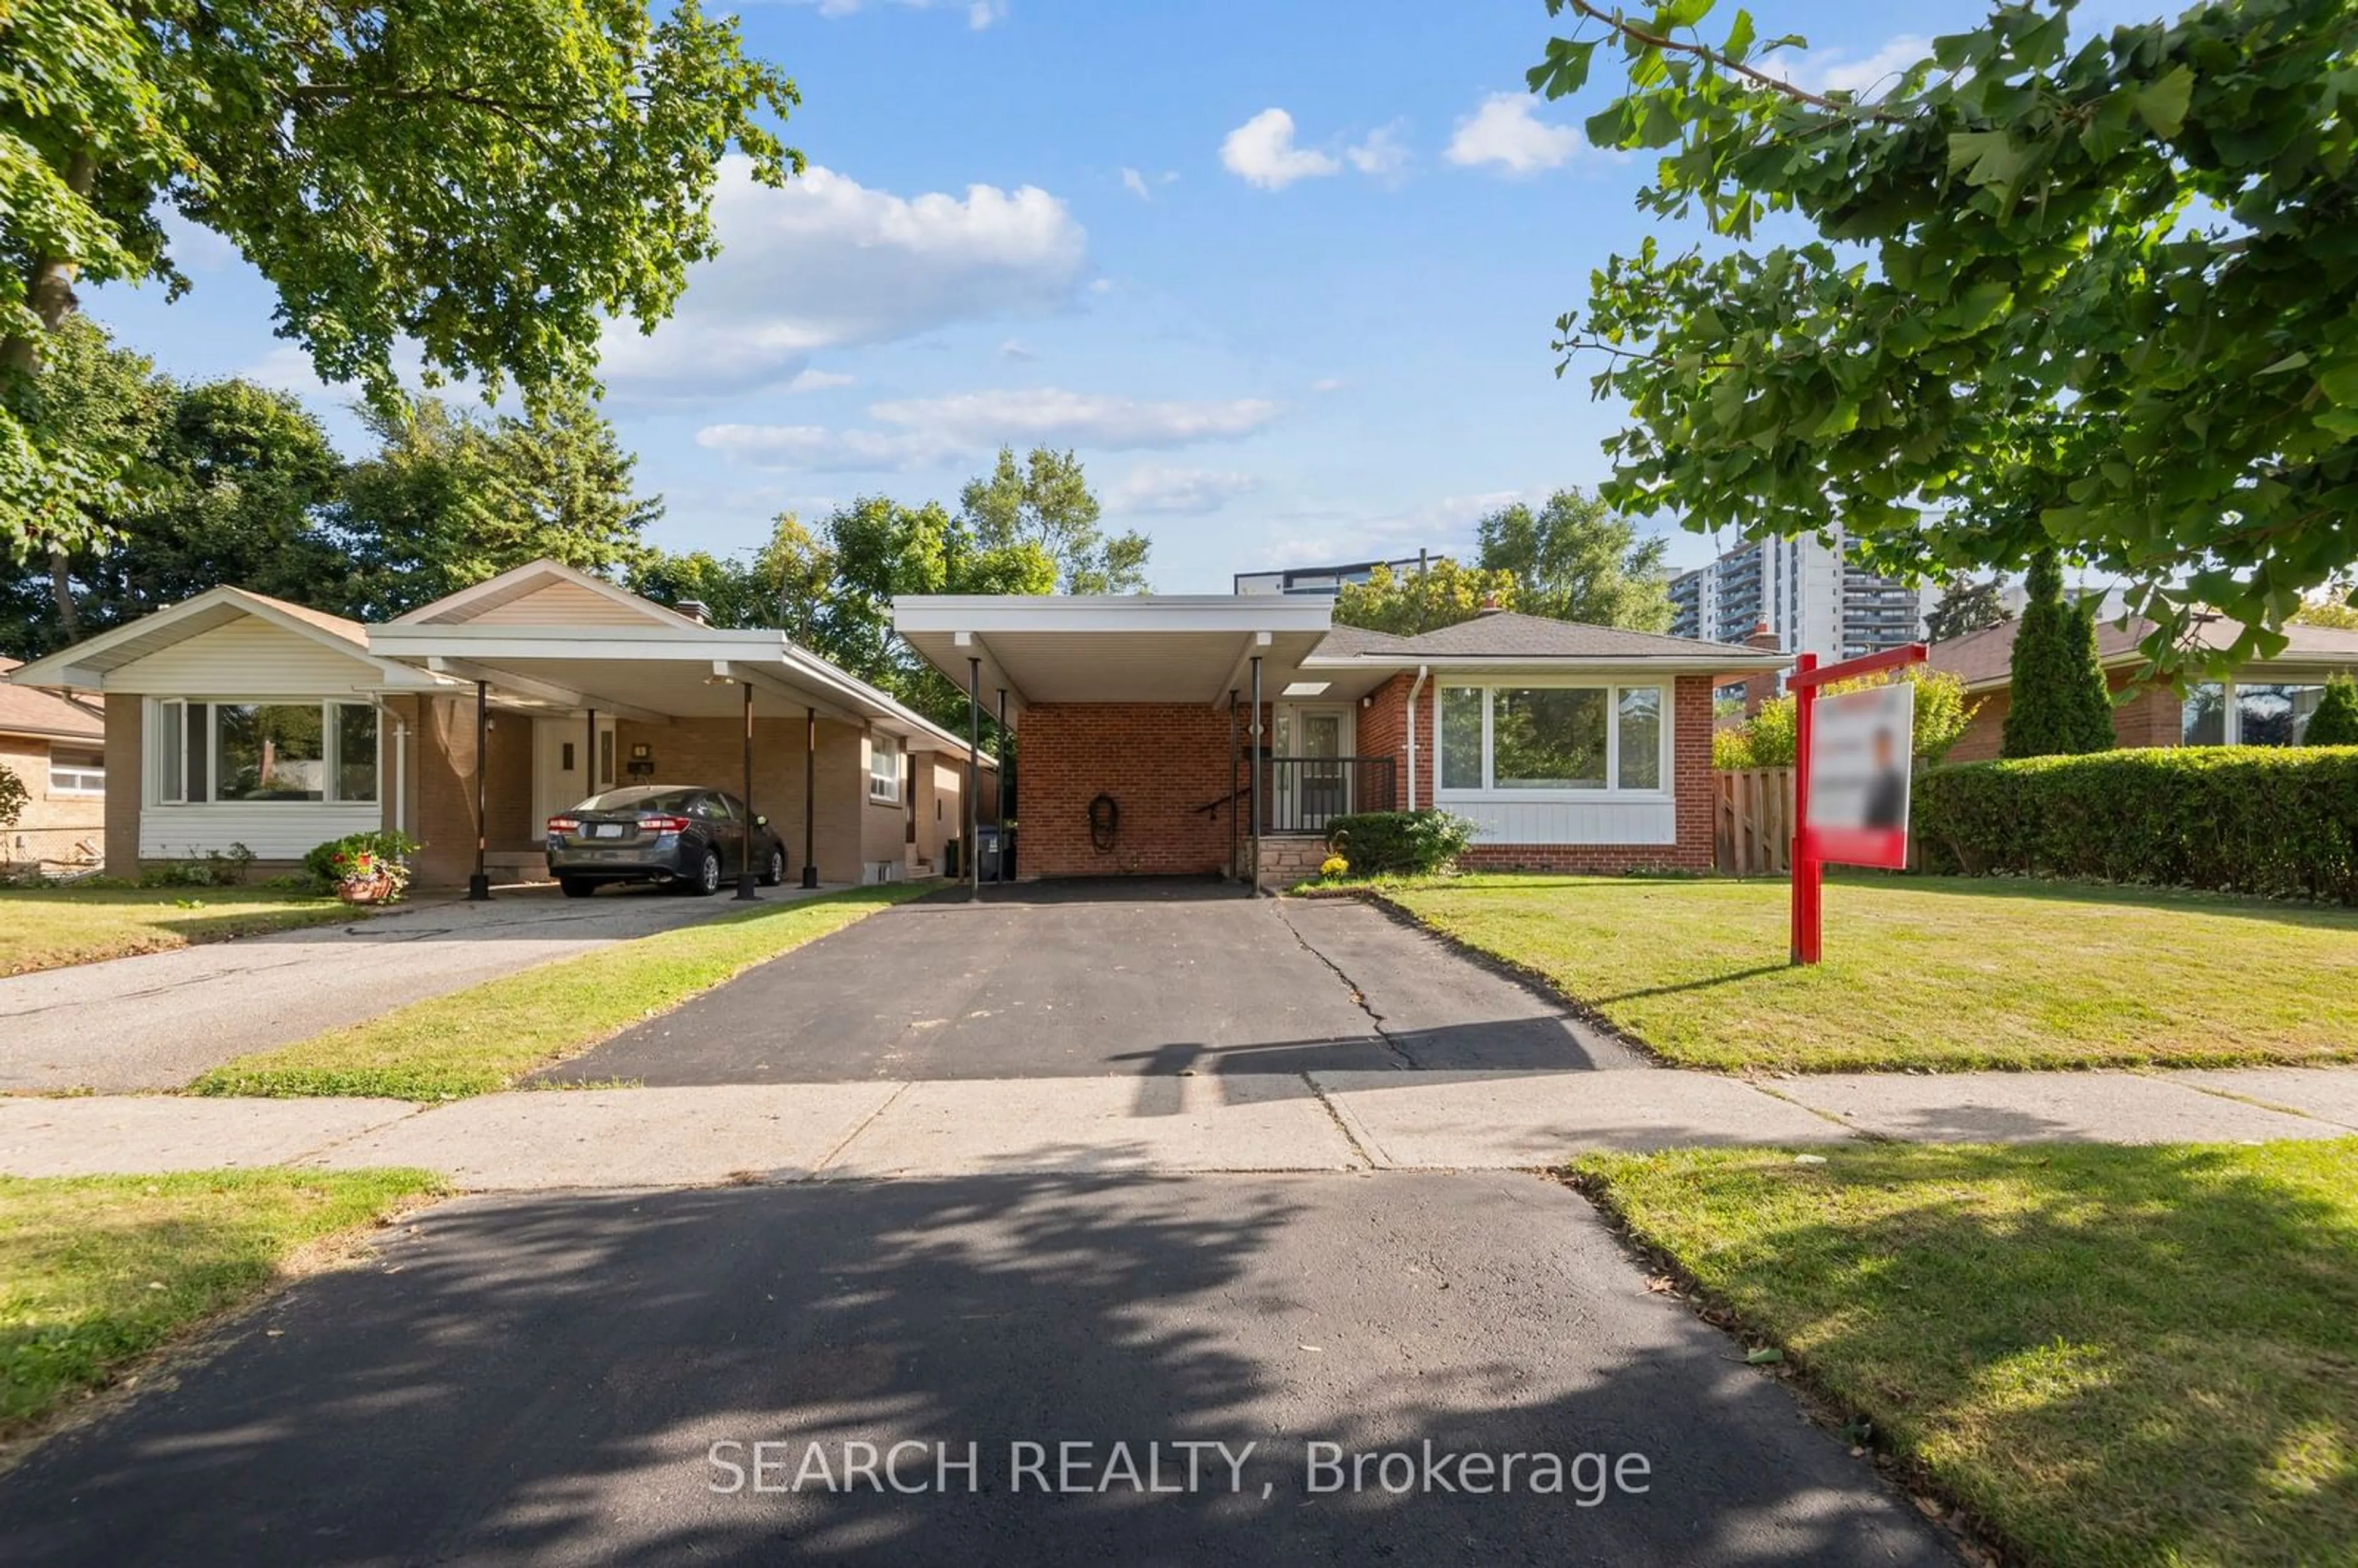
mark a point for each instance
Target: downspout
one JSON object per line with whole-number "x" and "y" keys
{"x": 1421, "y": 671}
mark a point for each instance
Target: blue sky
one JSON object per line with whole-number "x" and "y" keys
{"x": 1284, "y": 274}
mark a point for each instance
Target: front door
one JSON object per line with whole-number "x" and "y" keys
{"x": 1315, "y": 785}
{"x": 565, "y": 772}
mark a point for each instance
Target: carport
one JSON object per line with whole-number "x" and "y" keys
{"x": 1138, "y": 716}
{"x": 615, "y": 690}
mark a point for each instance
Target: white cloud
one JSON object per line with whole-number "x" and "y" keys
{"x": 1019, "y": 351}
{"x": 1177, "y": 492}
{"x": 1261, "y": 152}
{"x": 1327, "y": 384}
{"x": 979, "y": 14}
{"x": 924, "y": 431}
{"x": 1135, "y": 183}
{"x": 826, "y": 263}
{"x": 1504, "y": 132}
{"x": 1445, "y": 527}
{"x": 1381, "y": 155}
{"x": 818, "y": 380}
{"x": 1869, "y": 76}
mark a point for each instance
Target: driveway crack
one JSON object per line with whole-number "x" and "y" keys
{"x": 1401, "y": 1059}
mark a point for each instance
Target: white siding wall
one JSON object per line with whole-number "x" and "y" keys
{"x": 244, "y": 660}
{"x": 274, "y": 830}
{"x": 558, "y": 604}
{"x": 1600, "y": 821}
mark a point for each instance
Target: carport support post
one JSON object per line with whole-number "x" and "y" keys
{"x": 973, "y": 777}
{"x": 810, "y": 797}
{"x": 745, "y": 827}
{"x": 1256, "y": 775}
{"x": 478, "y": 886}
{"x": 1235, "y": 822}
{"x": 1000, "y": 792}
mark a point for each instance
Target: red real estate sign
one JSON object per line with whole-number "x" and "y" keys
{"x": 1850, "y": 787}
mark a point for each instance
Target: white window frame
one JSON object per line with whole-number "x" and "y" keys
{"x": 74, "y": 782}
{"x": 169, "y": 765}
{"x": 881, "y": 790}
{"x": 1490, "y": 686}
{"x": 2230, "y": 719}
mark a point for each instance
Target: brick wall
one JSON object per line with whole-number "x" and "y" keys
{"x": 2154, "y": 717}
{"x": 1383, "y": 731}
{"x": 127, "y": 784}
{"x": 444, "y": 808}
{"x": 1159, "y": 761}
{"x": 53, "y": 826}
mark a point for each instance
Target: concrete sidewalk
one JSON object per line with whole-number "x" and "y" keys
{"x": 156, "y": 1020}
{"x": 1339, "y": 1122}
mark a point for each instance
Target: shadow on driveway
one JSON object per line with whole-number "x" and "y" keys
{"x": 542, "y": 1380}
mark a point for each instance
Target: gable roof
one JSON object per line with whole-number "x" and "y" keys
{"x": 567, "y": 596}
{"x": 82, "y": 666}
{"x": 25, "y": 711}
{"x": 1505, "y": 636}
{"x": 1984, "y": 660}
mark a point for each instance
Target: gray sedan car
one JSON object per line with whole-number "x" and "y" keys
{"x": 668, "y": 834}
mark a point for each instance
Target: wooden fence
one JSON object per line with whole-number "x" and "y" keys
{"x": 1753, "y": 836}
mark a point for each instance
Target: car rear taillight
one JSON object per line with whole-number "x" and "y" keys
{"x": 664, "y": 824}
{"x": 564, "y": 824}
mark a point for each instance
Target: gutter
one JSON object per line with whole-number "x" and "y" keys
{"x": 1421, "y": 671}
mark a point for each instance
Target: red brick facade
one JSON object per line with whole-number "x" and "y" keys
{"x": 2155, "y": 717}
{"x": 1163, "y": 762}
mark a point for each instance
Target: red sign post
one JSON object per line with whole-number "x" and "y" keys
{"x": 1859, "y": 843}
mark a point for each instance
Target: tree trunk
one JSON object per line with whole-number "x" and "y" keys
{"x": 48, "y": 288}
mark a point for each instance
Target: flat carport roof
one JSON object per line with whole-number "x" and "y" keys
{"x": 1193, "y": 648}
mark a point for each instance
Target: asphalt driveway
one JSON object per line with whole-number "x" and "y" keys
{"x": 545, "y": 1380}
{"x": 156, "y": 1020}
{"x": 1077, "y": 979}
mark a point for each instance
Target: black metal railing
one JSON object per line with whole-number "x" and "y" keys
{"x": 1304, "y": 794}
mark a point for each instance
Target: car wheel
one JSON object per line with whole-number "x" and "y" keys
{"x": 775, "y": 872}
{"x": 576, "y": 887}
{"x": 708, "y": 875}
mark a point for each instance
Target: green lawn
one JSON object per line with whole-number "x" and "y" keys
{"x": 1924, "y": 972}
{"x": 44, "y": 928}
{"x": 2109, "y": 1356}
{"x": 486, "y": 1037}
{"x": 98, "y": 1270}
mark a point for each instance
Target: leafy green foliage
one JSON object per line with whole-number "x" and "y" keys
{"x": 2279, "y": 821}
{"x": 2335, "y": 721}
{"x": 1408, "y": 603}
{"x": 1769, "y": 738}
{"x": 489, "y": 181}
{"x": 1574, "y": 560}
{"x": 385, "y": 844}
{"x": 2336, "y": 612}
{"x": 2061, "y": 703}
{"x": 451, "y": 498}
{"x": 2093, "y": 296}
{"x": 14, "y": 796}
{"x": 1963, "y": 608}
{"x": 1398, "y": 843}
{"x": 212, "y": 869}
{"x": 1045, "y": 502}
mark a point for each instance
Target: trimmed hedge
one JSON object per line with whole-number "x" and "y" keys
{"x": 1398, "y": 843}
{"x": 2281, "y": 822}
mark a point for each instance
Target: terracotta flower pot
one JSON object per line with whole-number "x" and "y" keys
{"x": 377, "y": 889}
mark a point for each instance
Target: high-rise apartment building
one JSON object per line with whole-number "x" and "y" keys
{"x": 1808, "y": 597}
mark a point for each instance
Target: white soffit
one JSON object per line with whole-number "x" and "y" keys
{"x": 1140, "y": 648}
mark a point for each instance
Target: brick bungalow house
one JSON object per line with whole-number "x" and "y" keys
{"x": 1205, "y": 734}
{"x": 233, "y": 718}
{"x": 2266, "y": 703}
{"x": 56, "y": 747}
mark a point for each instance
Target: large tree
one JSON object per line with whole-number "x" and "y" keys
{"x": 490, "y": 181}
{"x": 451, "y": 498}
{"x": 2095, "y": 294}
{"x": 1574, "y": 559}
{"x": 234, "y": 483}
{"x": 1407, "y": 603}
{"x": 1044, "y": 500}
{"x": 2059, "y": 701}
{"x": 1967, "y": 606}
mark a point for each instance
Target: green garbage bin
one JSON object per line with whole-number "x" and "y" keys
{"x": 950, "y": 862}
